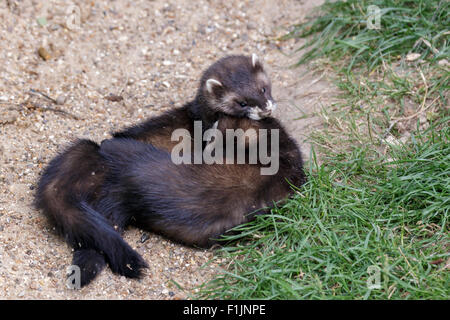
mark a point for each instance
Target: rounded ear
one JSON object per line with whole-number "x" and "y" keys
{"x": 255, "y": 60}
{"x": 211, "y": 83}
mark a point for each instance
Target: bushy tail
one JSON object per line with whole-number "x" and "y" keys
{"x": 71, "y": 181}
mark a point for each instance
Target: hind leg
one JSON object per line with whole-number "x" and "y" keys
{"x": 90, "y": 262}
{"x": 97, "y": 242}
{"x": 125, "y": 261}
{"x": 107, "y": 242}
{"x": 122, "y": 260}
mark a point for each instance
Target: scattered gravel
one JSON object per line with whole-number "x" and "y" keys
{"x": 105, "y": 65}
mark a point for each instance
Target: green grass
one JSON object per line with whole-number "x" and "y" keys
{"x": 378, "y": 195}
{"x": 340, "y": 31}
{"x": 355, "y": 212}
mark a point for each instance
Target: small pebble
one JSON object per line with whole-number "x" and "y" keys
{"x": 114, "y": 98}
{"x": 61, "y": 100}
{"x": 44, "y": 54}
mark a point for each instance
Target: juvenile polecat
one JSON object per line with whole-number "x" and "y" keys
{"x": 87, "y": 197}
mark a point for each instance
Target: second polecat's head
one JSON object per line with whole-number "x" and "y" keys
{"x": 237, "y": 86}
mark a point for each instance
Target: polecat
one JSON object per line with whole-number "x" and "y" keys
{"x": 89, "y": 199}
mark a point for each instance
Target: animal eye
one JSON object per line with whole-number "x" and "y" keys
{"x": 243, "y": 104}
{"x": 263, "y": 90}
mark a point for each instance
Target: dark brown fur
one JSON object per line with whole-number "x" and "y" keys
{"x": 196, "y": 203}
{"x": 90, "y": 211}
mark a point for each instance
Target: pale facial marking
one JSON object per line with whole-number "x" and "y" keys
{"x": 226, "y": 102}
{"x": 255, "y": 113}
{"x": 271, "y": 106}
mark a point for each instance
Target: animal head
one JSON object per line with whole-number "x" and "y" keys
{"x": 238, "y": 86}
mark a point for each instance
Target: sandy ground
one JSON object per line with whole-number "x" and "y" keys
{"x": 151, "y": 53}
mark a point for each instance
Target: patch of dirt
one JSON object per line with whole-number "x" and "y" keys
{"x": 104, "y": 65}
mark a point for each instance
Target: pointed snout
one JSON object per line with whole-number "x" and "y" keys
{"x": 258, "y": 113}
{"x": 270, "y": 108}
